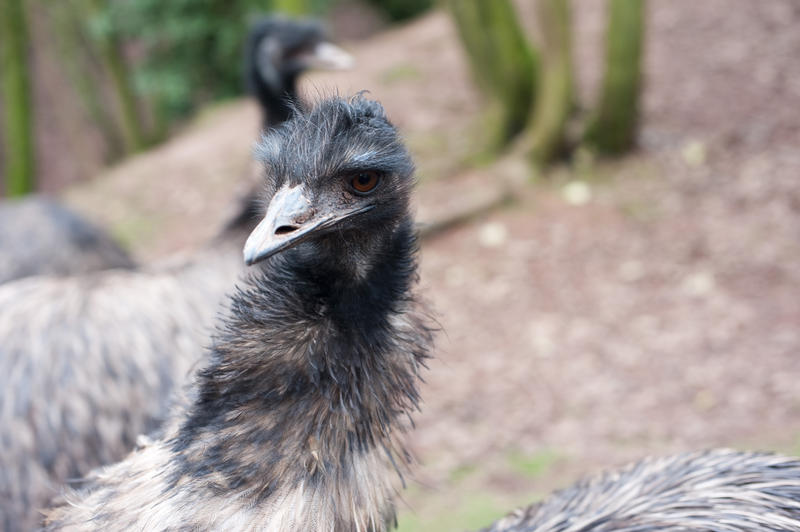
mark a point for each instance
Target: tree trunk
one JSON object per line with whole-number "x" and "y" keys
{"x": 135, "y": 138}
{"x": 110, "y": 50}
{"x": 555, "y": 94}
{"x": 503, "y": 64}
{"x": 18, "y": 124}
{"x": 612, "y": 128}
{"x": 76, "y": 55}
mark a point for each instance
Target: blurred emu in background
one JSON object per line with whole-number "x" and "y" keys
{"x": 38, "y": 236}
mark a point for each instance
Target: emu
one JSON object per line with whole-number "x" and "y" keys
{"x": 38, "y": 236}
{"x": 278, "y": 50}
{"x": 717, "y": 490}
{"x": 295, "y": 423}
{"x": 88, "y": 363}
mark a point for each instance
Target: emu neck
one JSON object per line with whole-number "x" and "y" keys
{"x": 311, "y": 379}
{"x": 277, "y": 102}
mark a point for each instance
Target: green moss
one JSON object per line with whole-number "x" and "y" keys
{"x": 638, "y": 211}
{"x": 131, "y": 231}
{"x": 399, "y": 73}
{"x": 533, "y": 465}
{"x": 461, "y": 472}
{"x": 470, "y": 512}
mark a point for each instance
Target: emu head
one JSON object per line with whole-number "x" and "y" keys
{"x": 339, "y": 181}
{"x": 279, "y": 49}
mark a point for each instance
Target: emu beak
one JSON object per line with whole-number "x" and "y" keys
{"x": 287, "y": 220}
{"x": 290, "y": 220}
{"x": 327, "y": 55}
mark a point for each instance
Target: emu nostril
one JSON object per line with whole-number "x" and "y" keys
{"x": 284, "y": 229}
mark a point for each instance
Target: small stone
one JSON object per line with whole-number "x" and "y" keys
{"x": 543, "y": 337}
{"x": 698, "y": 284}
{"x": 694, "y": 153}
{"x": 492, "y": 235}
{"x": 577, "y": 193}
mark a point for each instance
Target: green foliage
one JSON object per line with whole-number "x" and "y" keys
{"x": 192, "y": 50}
{"x": 18, "y": 148}
{"x": 292, "y": 7}
{"x": 398, "y": 10}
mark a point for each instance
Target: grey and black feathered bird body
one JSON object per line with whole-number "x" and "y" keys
{"x": 38, "y": 236}
{"x": 295, "y": 424}
{"x": 88, "y": 363}
{"x": 711, "y": 491}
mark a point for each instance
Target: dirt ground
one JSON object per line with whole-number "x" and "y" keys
{"x": 615, "y": 309}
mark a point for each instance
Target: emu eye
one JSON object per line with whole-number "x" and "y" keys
{"x": 364, "y": 182}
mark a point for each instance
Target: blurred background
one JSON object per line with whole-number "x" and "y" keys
{"x": 610, "y": 193}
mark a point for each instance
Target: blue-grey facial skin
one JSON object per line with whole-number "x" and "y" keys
{"x": 297, "y": 418}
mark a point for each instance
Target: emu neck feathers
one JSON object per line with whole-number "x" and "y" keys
{"x": 310, "y": 381}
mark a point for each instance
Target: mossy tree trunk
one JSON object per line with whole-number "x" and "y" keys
{"x": 503, "y": 63}
{"x": 554, "y": 105}
{"x": 612, "y": 128}
{"x": 18, "y": 113}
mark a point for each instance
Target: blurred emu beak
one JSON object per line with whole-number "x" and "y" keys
{"x": 290, "y": 220}
{"x": 326, "y": 55}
